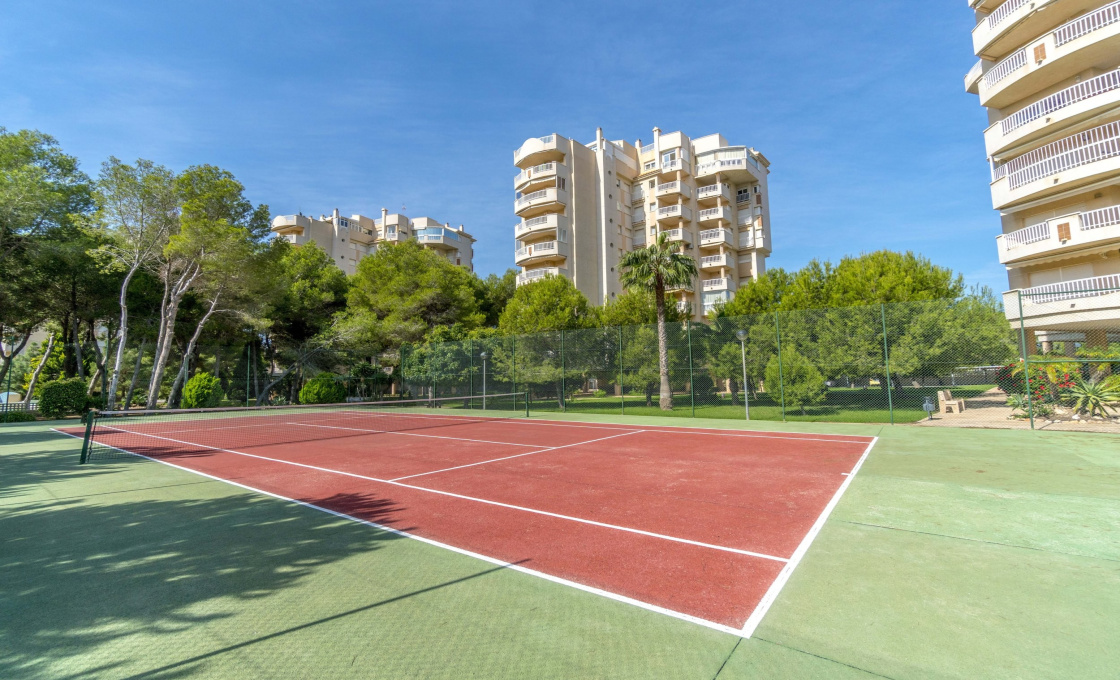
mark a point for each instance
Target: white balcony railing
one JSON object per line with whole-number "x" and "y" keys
{"x": 1059, "y": 100}
{"x": 709, "y": 167}
{"x": 1097, "y": 219}
{"x": 719, "y": 212}
{"x": 529, "y": 198}
{"x": 716, "y": 236}
{"x": 1003, "y": 11}
{"x": 712, "y": 190}
{"x": 526, "y": 175}
{"x": 668, "y": 188}
{"x": 547, "y": 248}
{"x": 674, "y": 211}
{"x": 1004, "y": 68}
{"x": 670, "y": 166}
{"x": 647, "y": 148}
{"x": 1068, "y": 32}
{"x": 1090, "y": 146}
{"x": 713, "y": 261}
{"x": 536, "y": 274}
{"x": 529, "y": 225}
{"x": 1031, "y": 234}
{"x": 717, "y": 284}
{"x": 1069, "y": 290}
{"x": 677, "y": 234}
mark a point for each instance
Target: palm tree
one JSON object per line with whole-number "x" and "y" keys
{"x": 659, "y": 266}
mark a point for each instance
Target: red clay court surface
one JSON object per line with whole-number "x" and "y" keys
{"x": 705, "y": 525}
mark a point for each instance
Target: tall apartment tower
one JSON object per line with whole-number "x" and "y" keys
{"x": 348, "y": 239}
{"x": 1048, "y": 77}
{"x": 583, "y": 206}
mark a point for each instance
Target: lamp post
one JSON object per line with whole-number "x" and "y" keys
{"x": 483, "y": 356}
{"x": 742, "y": 335}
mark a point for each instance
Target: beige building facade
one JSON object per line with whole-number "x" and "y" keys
{"x": 582, "y": 206}
{"x": 348, "y": 239}
{"x": 1048, "y": 76}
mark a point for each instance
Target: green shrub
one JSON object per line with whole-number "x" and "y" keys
{"x": 62, "y": 398}
{"x": 202, "y": 391}
{"x": 19, "y": 416}
{"x": 797, "y": 378}
{"x": 323, "y": 389}
{"x": 599, "y": 393}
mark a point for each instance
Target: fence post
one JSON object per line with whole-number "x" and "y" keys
{"x": 513, "y": 359}
{"x": 563, "y": 375}
{"x": 691, "y": 382}
{"x": 470, "y": 350}
{"x": 621, "y": 373}
{"x": 887, "y": 362}
{"x": 248, "y": 364}
{"x": 781, "y": 376}
{"x": 1026, "y": 360}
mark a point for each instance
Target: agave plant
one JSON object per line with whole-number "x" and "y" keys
{"x": 1094, "y": 396}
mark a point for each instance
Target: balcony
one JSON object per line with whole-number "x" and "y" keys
{"x": 540, "y": 225}
{"x": 359, "y": 234}
{"x": 709, "y": 194}
{"x": 1076, "y": 160}
{"x": 732, "y": 163}
{"x": 439, "y": 238}
{"x": 674, "y": 214}
{"x": 718, "y": 284}
{"x": 678, "y": 236}
{"x": 540, "y": 150}
{"x": 538, "y": 274}
{"x": 291, "y": 226}
{"x": 1068, "y": 50}
{"x": 672, "y": 190}
{"x": 637, "y": 198}
{"x": 1079, "y": 305}
{"x": 1018, "y": 21}
{"x": 393, "y": 236}
{"x": 672, "y": 167}
{"x": 1063, "y": 108}
{"x": 1059, "y": 235}
{"x": 540, "y": 252}
{"x": 720, "y": 213}
{"x": 542, "y": 201}
{"x": 539, "y": 176}
{"x": 715, "y": 261}
{"x": 711, "y": 238}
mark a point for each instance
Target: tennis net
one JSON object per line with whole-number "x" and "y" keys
{"x": 112, "y": 434}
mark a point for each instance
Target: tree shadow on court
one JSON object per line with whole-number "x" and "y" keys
{"x": 78, "y": 574}
{"x": 49, "y": 460}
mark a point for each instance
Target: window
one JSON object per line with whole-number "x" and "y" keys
{"x": 743, "y": 196}
{"x": 669, "y": 156}
{"x": 560, "y": 182}
{"x": 617, "y": 182}
{"x": 652, "y": 183}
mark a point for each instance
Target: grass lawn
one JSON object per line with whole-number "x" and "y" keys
{"x": 954, "y": 554}
{"x": 841, "y": 405}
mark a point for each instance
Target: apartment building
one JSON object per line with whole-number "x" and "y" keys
{"x": 1048, "y": 76}
{"x": 582, "y": 206}
{"x": 349, "y": 239}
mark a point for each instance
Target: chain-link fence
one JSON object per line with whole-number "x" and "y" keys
{"x": 942, "y": 362}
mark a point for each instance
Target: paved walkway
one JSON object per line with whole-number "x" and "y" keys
{"x": 990, "y": 409}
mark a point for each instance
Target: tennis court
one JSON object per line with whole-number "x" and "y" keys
{"x": 700, "y": 524}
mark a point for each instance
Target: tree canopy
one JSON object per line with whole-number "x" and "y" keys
{"x": 549, "y": 304}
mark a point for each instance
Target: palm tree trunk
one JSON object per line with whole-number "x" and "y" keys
{"x": 666, "y": 399}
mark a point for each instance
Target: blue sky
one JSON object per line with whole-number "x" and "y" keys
{"x": 362, "y": 105}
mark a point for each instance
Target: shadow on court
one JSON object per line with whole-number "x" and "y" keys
{"x": 151, "y": 561}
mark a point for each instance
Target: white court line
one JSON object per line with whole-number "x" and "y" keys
{"x": 783, "y": 576}
{"x": 516, "y": 567}
{"x": 690, "y": 429}
{"x": 495, "y": 460}
{"x": 405, "y": 434}
{"x": 570, "y": 518}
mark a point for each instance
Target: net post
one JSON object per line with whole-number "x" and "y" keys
{"x": 1026, "y": 359}
{"x": 88, "y": 438}
{"x": 781, "y": 375}
{"x": 887, "y": 361}
{"x": 691, "y": 377}
{"x": 525, "y": 395}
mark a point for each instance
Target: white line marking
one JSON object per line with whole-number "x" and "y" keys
{"x": 783, "y": 576}
{"x": 516, "y": 567}
{"x": 757, "y": 434}
{"x": 495, "y": 460}
{"x": 408, "y": 434}
{"x": 472, "y": 498}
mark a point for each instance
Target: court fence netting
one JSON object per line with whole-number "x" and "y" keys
{"x": 943, "y": 362}
{"x": 113, "y": 434}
